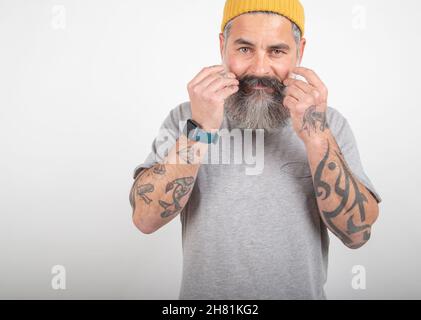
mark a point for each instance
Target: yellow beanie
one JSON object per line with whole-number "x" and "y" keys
{"x": 292, "y": 9}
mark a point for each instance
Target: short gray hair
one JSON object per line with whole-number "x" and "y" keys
{"x": 295, "y": 30}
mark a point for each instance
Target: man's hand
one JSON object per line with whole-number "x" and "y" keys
{"x": 208, "y": 91}
{"x": 307, "y": 102}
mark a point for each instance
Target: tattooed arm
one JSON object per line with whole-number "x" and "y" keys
{"x": 160, "y": 193}
{"x": 346, "y": 206}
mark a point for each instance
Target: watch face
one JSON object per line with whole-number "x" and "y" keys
{"x": 193, "y": 124}
{"x": 195, "y": 133}
{"x": 191, "y": 128}
{"x": 190, "y": 125}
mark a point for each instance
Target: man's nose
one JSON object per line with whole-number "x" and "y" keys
{"x": 260, "y": 65}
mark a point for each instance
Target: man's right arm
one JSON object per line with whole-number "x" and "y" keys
{"x": 161, "y": 192}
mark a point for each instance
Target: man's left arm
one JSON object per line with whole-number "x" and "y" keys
{"x": 346, "y": 206}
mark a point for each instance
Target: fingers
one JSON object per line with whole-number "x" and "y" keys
{"x": 307, "y": 88}
{"x": 304, "y": 87}
{"x": 311, "y": 77}
{"x": 205, "y": 72}
{"x": 214, "y": 76}
{"x": 226, "y": 92}
{"x": 213, "y": 84}
{"x": 220, "y": 83}
{"x": 212, "y": 79}
{"x": 290, "y": 102}
{"x": 304, "y": 94}
{"x": 296, "y": 93}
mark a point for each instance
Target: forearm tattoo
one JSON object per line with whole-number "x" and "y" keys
{"x": 180, "y": 188}
{"x": 314, "y": 120}
{"x": 350, "y": 192}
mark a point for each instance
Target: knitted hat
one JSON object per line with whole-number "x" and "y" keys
{"x": 291, "y": 9}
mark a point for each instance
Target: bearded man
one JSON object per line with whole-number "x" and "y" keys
{"x": 257, "y": 236}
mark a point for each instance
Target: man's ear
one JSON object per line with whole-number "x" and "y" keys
{"x": 221, "y": 45}
{"x": 303, "y": 43}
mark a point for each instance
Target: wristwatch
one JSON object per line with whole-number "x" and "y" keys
{"x": 193, "y": 131}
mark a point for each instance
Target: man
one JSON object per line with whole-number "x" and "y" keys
{"x": 257, "y": 236}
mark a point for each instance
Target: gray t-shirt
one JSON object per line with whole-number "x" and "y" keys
{"x": 257, "y": 236}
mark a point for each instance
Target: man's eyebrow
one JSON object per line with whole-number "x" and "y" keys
{"x": 280, "y": 46}
{"x": 242, "y": 41}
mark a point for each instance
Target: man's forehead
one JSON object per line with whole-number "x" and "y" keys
{"x": 260, "y": 24}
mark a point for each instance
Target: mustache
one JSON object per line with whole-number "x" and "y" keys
{"x": 258, "y": 109}
{"x": 249, "y": 81}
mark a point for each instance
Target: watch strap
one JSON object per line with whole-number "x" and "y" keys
{"x": 194, "y": 132}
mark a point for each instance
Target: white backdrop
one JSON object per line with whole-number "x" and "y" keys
{"x": 84, "y": 87}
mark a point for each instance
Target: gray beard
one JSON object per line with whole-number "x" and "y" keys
{"x": 258, "y": 109}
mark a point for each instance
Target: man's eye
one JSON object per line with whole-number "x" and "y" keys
{"x": 278, "y": 52}
{"x": 244, "y": 50}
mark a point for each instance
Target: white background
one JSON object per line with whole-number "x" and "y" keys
{"x": 80, "y": 106}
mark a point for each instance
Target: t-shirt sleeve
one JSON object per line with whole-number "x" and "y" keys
{"x": 346, "y": 141}
{"x": 166, "y": 138}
